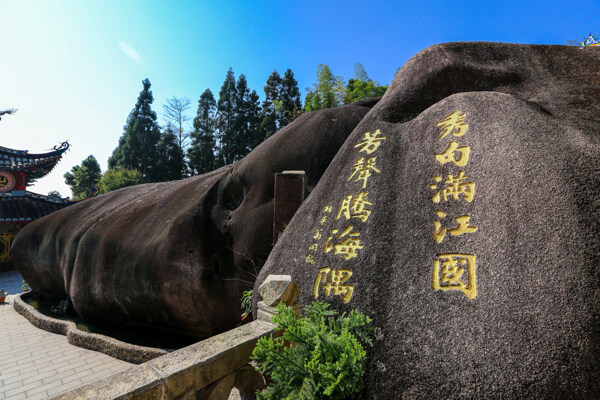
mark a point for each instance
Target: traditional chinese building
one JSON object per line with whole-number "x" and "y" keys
{"x": 19, "y": 207}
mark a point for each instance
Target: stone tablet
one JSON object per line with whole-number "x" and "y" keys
{"x": 462, "y": 216}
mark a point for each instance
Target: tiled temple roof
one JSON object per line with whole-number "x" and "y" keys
{"x": 28, "y": 207}
{"x": 36, "y": 165}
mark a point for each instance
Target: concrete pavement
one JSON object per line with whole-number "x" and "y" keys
{"x": 35, "y": 364}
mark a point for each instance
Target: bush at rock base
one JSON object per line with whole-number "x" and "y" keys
{"x": 326, "y": 357}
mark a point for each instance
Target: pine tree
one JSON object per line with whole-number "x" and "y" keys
{"x": 225, "y": 121}
{"x": 253, "y": 112}
{"x": 273, "y": 86}
{"x": 201, "y": 150}
{"x": 290, "y": 99}
{"x": 170, "y": 162}
{"x": 137, "y": 147}
{"x": 282, "y": 102}
{"x": 247, "y": 120}
{"x": 270, "y": 121}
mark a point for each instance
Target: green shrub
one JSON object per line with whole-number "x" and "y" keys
{"x": 246, "y": 304}
{"x": 326, "y": 358}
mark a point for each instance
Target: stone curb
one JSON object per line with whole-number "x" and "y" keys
{"x": 203, "y": 370}
{"x": 92, "y": 341}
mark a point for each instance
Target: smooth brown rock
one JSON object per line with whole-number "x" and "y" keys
{"x": 506, "y": 303}
{"x": 177, "y": 255}
{"x": 290, "y": 190}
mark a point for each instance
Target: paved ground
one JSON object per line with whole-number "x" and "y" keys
{"x": 35, "y": 364}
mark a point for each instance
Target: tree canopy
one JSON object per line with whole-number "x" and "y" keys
{"x": 328, "y": 91}
{"x": 332, "y": 91}
{"x": 362, "y": 86}
{"x": 282, "y": 102}
{"x": 238, "y": 120}
{"x": 137, "y": 147}
{"x": 226, "y": 120}
{"x": 117, "y": 178}
{"x": 82, "y": 177}
{"x": 201, "y": 151}
{"x": 227, "y": 128}
{"x": 170, "y": 162}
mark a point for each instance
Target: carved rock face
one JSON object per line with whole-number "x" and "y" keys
{"x": 462, "y": 216}
{"x": 177, "y": 255}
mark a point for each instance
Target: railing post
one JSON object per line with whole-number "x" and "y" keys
{"x": 274, "y": 290}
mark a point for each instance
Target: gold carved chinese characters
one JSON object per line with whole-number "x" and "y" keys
{"x": 343, "y": 240}
{"x": 453, "y": 271}
{"x": 449, "y": 273}
{"x": 333, "y": 283}
{"x": 317, "y": 236}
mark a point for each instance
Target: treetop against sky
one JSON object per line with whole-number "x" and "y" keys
{"x": 74, "y": 69}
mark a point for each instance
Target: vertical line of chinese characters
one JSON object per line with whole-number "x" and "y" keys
{"x": 340, "y": 238}
{"x": 449, "y": 269}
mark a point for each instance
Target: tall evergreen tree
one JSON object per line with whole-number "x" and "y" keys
{"x": 240, "y": 133}
{"x": 247, "y": 119}
{"x": 82, "y": 177}
{"x": 246, "y": 128}
{"x": 291, "y": 104}
{"x": 282, "y": 102}
{"x": 226, "y": 108}
{"x": 270, "y": 121}
{"x": 137, "y": 147}
{"x": 201, "y": 150}
{"x": 171, "y": 160}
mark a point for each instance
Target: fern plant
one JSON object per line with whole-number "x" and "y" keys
{"x": 326, "y": 358}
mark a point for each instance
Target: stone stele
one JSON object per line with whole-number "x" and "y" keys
{"x": 462, "y": 215}
{"x": 177, "y": 255}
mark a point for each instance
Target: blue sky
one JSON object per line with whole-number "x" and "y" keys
{"x": 74, "y": 68}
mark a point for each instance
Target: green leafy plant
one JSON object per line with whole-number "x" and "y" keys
{"x": 3, "y": 293}
{"x": 25, "y": 287}
{"x": 325, "y": 359}
{"x": 246, "y": 304}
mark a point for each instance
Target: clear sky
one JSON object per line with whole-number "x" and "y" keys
{"x": 74, "y": 68}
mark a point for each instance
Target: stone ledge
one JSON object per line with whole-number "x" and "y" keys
{"x": 181, "y": 373}
{"x": 91, "y": 341}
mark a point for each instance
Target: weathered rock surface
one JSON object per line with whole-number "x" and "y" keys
{"x": 470, "y": 231}
{"x": 177, "y": 255}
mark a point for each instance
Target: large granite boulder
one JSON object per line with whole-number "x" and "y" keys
{"x": 177, "y": 255}
{"x": 462, "y": 215}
